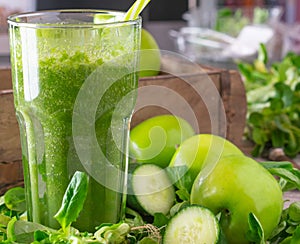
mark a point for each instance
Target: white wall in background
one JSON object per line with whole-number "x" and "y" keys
{"x": 8, "y": 7}
{"x": 22, "y": 5}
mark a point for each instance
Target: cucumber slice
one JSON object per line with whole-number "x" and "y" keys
{"x": 192, "y": 224}
{"x": 150, "y": 190}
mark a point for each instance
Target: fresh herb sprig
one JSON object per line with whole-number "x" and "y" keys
{"x": 273, "y": 103}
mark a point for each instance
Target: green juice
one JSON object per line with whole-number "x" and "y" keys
{"x": 49, "y": 68}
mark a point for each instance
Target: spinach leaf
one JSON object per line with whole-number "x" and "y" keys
{"x": 160, "y": 220}
{"x": 14, "y": 199}
{"x": 73, "y": 200}
{"x": 289, "y": 177}
{"x": 11, "y": 230}
{"x": 25, "y": 231}
{"x": 255, "y": 233}
{"x": 280, "y": 164}
{"x": 182, "y": 180}
{"x": 294, "y": 212}
{"x": 40, "y": 235}
{"x": 288, "y": 230}
{"x": 296, "y": 236}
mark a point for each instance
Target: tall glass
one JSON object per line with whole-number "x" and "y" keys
{"x": 74, "y": 79}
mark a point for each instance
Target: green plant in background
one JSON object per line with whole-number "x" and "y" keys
{"x": 231, "y": 21}
{"x": 273, "y": 98}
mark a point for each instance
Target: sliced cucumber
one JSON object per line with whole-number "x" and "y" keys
{"x": 194, "y": 225}
{"x": 150, "y": 190}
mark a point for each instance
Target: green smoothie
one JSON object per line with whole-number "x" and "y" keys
{"x": 49, "y": 67}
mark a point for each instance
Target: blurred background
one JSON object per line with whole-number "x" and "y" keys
{"x": 192, "y": 27}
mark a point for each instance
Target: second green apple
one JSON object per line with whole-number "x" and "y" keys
{"x": 202, "y": 150}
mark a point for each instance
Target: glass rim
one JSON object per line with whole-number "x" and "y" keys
{"x": 12, "y": 19}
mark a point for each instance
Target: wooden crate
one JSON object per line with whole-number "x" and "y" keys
{"x": 153, "y": 99}
{"x": 224, "y": 105}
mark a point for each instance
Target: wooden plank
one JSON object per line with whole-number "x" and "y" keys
{"x": 5, "y": 79}
{"x": 11, "y": 173}
{"x": 10, "y": 146}
{"x": 180, "y": 96}
{"x": 237, "y": 108}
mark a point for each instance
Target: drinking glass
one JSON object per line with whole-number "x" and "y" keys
{"x": 74, "y": 78}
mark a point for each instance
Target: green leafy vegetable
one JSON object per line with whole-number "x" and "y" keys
{"x": 256, "y": 232}
{"x": 26, "y": 232}
{"x": 273, "y": 98}
{"x": 11, "y": 236}
{"x": 288, "y": 229}
{"x": 232, "y": 21}
{"x": 40, "y": 235}
{"x": 73, "y": 200}
{"x": 136, "y": 229}
{"x": 289, "y": 176}
{"x": 132, "y": 230}
{"x": 296, "y": 236}
{"x": 148, "y": 240}
{"x": 112, "y": 233}
{"x": 294, "y": 212}
{"x": 160, "y": 220}
{"x": 182, "y": 180}
{"x": 280, "y": 164}
{"x": 15, "y": 199}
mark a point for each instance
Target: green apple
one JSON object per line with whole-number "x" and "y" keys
{"x": 155, "y": 140}
{"x": 237, "y": 186}
{"x": 150, "y": 55}
{"x": 149, "y": 51}
{"x": 200, "y": 150}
